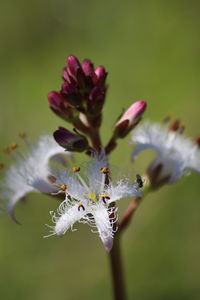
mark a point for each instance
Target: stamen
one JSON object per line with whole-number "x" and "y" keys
{"x": 14, "y": 146}
{"x": 139, "y": 181}
{"x": 22, "y": 135}
{"x": 80, "y": 205}
{"x": 104, "y": 170}
{"x": 92, "y": 197}
{"x": 6, "y": 150}
{"x": 104, "y": 198}
{"x": 75, "y": 169}
{"x": 167, "y": 119}
{"x": 181, "y": 128}
{"x": 2, "y": 166}
{"x": 197, "y": 140}
{"x": 52, "y": 178}
{"x": 176, "y": 125}
{"x": 63, "y": 187}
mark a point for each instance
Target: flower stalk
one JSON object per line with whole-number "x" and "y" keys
{"x": 117, "y": 270}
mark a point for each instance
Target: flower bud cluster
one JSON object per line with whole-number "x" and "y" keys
{"x": 82, "y": 93}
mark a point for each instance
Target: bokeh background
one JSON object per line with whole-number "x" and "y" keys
{"x": 151, "y": 50}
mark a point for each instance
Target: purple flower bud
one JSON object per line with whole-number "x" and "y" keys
{"x": 73, "y": 65}
{"x": 55, "y": 100}
{"x": 99, "y": 76}
{"x": 75, "y": 71}
{"x": 60, "y": 107}
{"x": 66, "y": 75}
{"x": 70, "y": 141}
{"x": 96, "y": 100}
{"x": 88, "y": 68}
{"x": 71, "y": 94}
{"x": 130, "y": 119}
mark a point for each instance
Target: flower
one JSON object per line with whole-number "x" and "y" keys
{"x": 88, "y": 199}
{"x": 32, "y": 171}
{"x": 175, "y": 154}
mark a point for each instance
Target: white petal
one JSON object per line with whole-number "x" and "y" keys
{"x": 74, "y": 188}
{"x": 93, "y": 172}
{"x": 176, "y": 153}
{"x": 104, "y": 227}
{"x": 121, "y": 190}
{"x": 31, "y": 171}
{"x": 67, "y": 218}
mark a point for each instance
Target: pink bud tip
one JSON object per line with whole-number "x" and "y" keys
{"x": 134, "y": 112}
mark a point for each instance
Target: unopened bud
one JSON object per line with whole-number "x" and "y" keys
{"x": 70, "y": 141}
{"x": 96, "y": 100}
{"x": 71, "y": 94}
{"x": 76, "y": 72}
{"x": 99, "y": 76}
{"x": 130, "y": 119}
{"x": 73, "y": 65}
{"x": 87, "y": 67}
{"x": 66, "y": 75}
{"x": 60, "y": 106}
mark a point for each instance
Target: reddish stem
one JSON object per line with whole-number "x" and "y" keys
{"x": 129, "y": 213}
{"x": 111, "y": 145}
{"x": 119, "y": 289}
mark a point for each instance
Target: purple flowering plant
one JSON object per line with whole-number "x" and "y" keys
{"x": 88, "y": 193}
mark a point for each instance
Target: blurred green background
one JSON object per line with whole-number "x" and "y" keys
{"x": 151, "y": 50}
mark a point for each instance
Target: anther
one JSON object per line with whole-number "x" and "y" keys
{"x": 2, "y": 166}
{"x": 63, "y": 187}
{"x": 181, "y": 128}
{"x": 22, "y": 135}
{"x": 80, "y": 205}
{"x": 176, "y": 125}
{"x": 139, "y": 181}
{"x": 6, "y": 150}
{"x": 75, "y": 169}
{"x": 52, "y": 178}
{"x": 14, "y": 146}
{"x": 104, "y": 170}
{"x": 197, "y": 140}
{"x": 167, "y": 119}
{"x": 104, "y": 198}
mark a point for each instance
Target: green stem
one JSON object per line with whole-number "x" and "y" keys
{"x": 119, "y": 289}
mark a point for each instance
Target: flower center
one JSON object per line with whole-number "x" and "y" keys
{"x": 92, "y": 197}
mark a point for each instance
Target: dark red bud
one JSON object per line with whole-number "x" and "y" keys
{"x": 99, "y": 76}
{"x": 70, "y": 141}
{"x": 71, "y": 94}
{"x": 96, "y": 100}
{"x": 88, "y": 68}
{"x": 60, "y": 106}
{"x": 66, "y": 76}
{"x": 73, "y": 65}
{"x": 55, "y": 99}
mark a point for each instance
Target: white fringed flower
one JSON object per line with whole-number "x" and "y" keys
{"x": 88, "y": 200}
{"x": 175, "y": 154}
{"x": 31, "y": 172}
